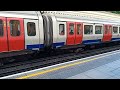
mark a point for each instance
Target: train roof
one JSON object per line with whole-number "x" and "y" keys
{"x": 20, "y": 14}
{"x": 99, "y": 16}
{"x": 85, "y": 16}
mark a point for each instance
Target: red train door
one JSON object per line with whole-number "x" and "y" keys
{"x": 70, "y": 33}
{"x": 15, "y": 30}
{"x": 107, "y": 33}
{"x": 3, "y": 35}
{"x": 78, "y": 33}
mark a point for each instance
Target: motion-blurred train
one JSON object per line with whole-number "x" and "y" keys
{"x": 25, "y": 31}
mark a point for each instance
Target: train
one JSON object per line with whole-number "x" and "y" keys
{"x": 22, "y": 32}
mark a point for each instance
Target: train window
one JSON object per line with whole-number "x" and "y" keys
{"x": 1, "y": 28}
{"x": 71, "y": 29}
{"x": 115, "y": 30}
{"x": 110, "y": 28}
{"x": 88, "y": 29}
{"x": 15, "y": 28}
{"x": 31, "y": 30}
{"x": 78, "y": 29}
{"x": 61, "y": 29}
{"x": 106, "y": 29}
{"x": 98, "y": 29}
{"x": 119, "y": 29}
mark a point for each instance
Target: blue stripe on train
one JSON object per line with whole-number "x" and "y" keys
{"x": 35, "y": 46}
{"x": 98, "y": 41}
{"x": 58, "y": 44}
{"x": 115, "y": 39}
{"x": 91, "y": 41}
{"x": 55, "y": 45}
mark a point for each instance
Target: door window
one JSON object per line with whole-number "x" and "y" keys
{"x": 79, "y": 29}
{"x": 71, "y": 29}
{"x": 15, "y": 27}
{"x": 1, "y": 28}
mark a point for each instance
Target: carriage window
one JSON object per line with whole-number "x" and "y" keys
{"x": 1, "y": 28}
{"x": 115, "y": 30}
{"x": 88, "y": 29}
{"x": 61, "y": 29}
{"x": 98, "y": 29}
{"x": 79, "y": 29}
{"x": 15, "y": 28}
{"x": 31, "y": 30}
{"x": 71, "y": 29}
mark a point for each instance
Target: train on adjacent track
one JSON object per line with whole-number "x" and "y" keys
{"x": 24, "y": 31}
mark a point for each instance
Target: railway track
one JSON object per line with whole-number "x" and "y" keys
{"x": 17, "y": 67}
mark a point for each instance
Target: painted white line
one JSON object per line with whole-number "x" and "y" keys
{"x": 99, "y": 55}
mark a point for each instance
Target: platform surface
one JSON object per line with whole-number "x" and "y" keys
{"x": 102, "y": 66}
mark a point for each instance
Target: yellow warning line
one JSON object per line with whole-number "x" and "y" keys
{"x": 54, "y": 69}
{"x": 60, "y": 67}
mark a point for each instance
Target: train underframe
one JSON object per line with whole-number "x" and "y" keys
{"x": 7, "y": 57}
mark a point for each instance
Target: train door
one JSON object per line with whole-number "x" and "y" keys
{"x": 107, "y": 33}
{"x": 70, "y": 33}
{"x": 78, "y": 33}
{"x": 15, "y": 30}
{"x": 3, "y": 35}
{"x": 31, "y": 34}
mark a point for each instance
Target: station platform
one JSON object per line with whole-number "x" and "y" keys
{"x": 102, "y": 66}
